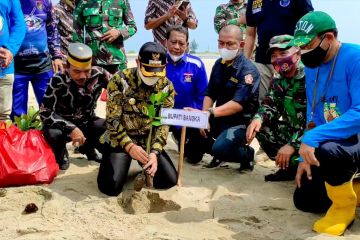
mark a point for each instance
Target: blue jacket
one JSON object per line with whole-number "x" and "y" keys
{"x": 12, "y": 28}
{"x": 337, "y": 116}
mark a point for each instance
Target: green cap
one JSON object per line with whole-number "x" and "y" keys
{"x": 310, "y": 25}
{"x": 281, "y": 42}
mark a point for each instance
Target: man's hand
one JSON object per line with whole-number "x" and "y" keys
{"x": 171, "y": 12}
{"x": 302, "y": 167}
{"x": 308, "y": 154}
{"x": 110, "y": 35}
{"x": 284, "y": 155}
{"x": 6, "y": 57}
{"x": 151, "y": 166}
{"x": 58, "y": 65}
{"x": 183, "y": 14}
{"x": 252, "y": 129}
{"x": 77, "y": 137}
{"x": 139, "y": 154}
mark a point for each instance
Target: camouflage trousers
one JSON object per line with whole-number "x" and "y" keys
{"x": 272, "y": 137}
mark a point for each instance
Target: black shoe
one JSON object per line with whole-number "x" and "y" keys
{"x": 250, "y": 163}
{"x": 281, "y": 175}
{"x": 64, "y": 163}
{"x": 214, "y": 163}
{"x": 93, "y": 156}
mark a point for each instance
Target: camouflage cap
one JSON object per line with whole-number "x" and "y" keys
{"x": 281, "y": 42}
{"x": 310, "y": 25}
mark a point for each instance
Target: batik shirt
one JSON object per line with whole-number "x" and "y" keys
{"x": 97, "y": 17}
{"x": 42, "y": 42}
{"x": 229, "y": 14}
{"x": 64, "y": 22}
{"x": 286, "y": 99}
{"x": 67, "y": 105}
{"x": 126, "y": 110}
{"x": 158, "y": 8}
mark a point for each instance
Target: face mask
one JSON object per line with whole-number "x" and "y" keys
{"x": 315, "y": 57}
{"x": 228, "y": 55}
{"x": 175, "y": 58}
{"x": 148, "y": 80}
{"x": 284, "y": 64}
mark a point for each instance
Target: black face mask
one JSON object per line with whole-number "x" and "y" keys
{"x": 315, "y": 57}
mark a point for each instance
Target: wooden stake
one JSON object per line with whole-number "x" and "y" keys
{"x": 181, "y": 160}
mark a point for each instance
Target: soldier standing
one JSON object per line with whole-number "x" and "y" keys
{"x": 286, "y": 99}
{"x": 128, "y": 125}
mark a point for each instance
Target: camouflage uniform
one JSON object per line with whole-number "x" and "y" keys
{"x": 96, "y": 17}
{"x": 283, "y": 114}
{"x": 126, "y": 117}
{"x": 229, "y": 14}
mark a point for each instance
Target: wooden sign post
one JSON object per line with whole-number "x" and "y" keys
{"x": 184, "y": 118}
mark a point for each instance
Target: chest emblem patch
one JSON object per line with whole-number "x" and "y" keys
{"x": 188, "y": 77}
{"x": 284, "y": 3}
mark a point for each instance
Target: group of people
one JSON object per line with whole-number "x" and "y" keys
{"x": 298, "y": 96}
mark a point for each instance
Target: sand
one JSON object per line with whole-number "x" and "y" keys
{"x": 216, "y": 204}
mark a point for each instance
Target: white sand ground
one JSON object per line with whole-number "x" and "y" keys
{"x": 217, "y": 204}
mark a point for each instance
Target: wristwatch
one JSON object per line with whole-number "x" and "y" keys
{"x": 157, "y": 153}
{"x": 211, "y": 111}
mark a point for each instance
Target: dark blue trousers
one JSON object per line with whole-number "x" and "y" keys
{"x": 39, "y": 83}
{"x": 339, "y": 161}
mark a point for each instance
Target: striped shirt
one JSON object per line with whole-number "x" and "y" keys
{"x": 64, "y": 22}
{"x": 158, "y": 8}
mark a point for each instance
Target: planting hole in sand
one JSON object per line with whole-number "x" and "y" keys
{"x": 146, "y": 202}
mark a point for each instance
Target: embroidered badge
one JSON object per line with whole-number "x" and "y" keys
{"x": 39, "y": 5}
{"x": 330, "y": 112}
{"x": 132, "y": 101}
{"x": 249, "y": 79}
{"x": 257, "y": 6}
{"x": 188, "y": 77}
{"x": 234, "y": 80}
{"x": 284, "y": 3}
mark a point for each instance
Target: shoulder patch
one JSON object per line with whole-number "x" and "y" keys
{"x": 249, "y": 79}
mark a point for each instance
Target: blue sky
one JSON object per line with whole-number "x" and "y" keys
{"x": 345, "y": 12}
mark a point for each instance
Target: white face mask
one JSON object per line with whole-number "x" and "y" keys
{"x": 175, "y": 58}
{"x": 228, "y": 55}
{"x": 150, "y": 81}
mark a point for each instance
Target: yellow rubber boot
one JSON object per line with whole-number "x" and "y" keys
{"x": 356, "y": 186}
{"x": 342, "y": 211}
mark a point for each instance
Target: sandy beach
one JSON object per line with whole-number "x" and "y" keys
{"x": 216, "y": 204}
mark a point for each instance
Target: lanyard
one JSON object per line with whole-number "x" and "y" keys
{"x": 311, "y": 124}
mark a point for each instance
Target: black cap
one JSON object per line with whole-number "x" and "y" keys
{"x": 153, "y": 59}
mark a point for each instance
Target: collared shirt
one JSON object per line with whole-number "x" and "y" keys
{"x": 286, "y": 99}
{"x": 190, "y": 80}
{"x": 238, "y": 82}
{"x": 64, "y": 21}
{"x": 42, "y": 41}
{"x": 229, "y": 14}
{"x": 12, "y": 29}
{"x": 66, "y": 105}
{"x": 272, "y": 18}
{"x": 158, "y": 8}
{"x": 99, "y": 16}
{"x": 126, "y": 118}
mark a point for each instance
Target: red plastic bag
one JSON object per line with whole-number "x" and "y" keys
{"x": 25, "y": 158}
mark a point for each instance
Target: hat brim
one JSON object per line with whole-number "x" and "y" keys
{"x": 301, "y": 41}
{"x": 148, "y": 71}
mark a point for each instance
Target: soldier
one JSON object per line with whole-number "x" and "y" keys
{"x": 128, "y": 125}
{"x": 160, "y": 14}
{"x": 280, "y": 120}
{"x": 104, "y": 25}
{"x": 39, "y": 55}
{"x": 68, "y": 109}
{"x": 231, "y": 13}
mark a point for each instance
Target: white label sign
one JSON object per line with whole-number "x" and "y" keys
{"x": 179, "y": 117}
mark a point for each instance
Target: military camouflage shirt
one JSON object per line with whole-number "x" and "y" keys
{"x": 229, "y": 14}
{"x": 93, "y": 18}
{"x": 66, "y": 105}
{"x": 126, "y": 110}
{"x": 285, "y": 105}
{"x": 158, "y": 8}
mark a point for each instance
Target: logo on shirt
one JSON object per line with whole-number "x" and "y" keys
{"x": 188, "y": 77}
{"x": 249, "y": 79}
{"x": 257, "y": 5}
{"x": 39, "y": 5}
{"x": 284, "y": 3}
{"x": 234, "y": 80}
{"x": 331, "y": 112}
